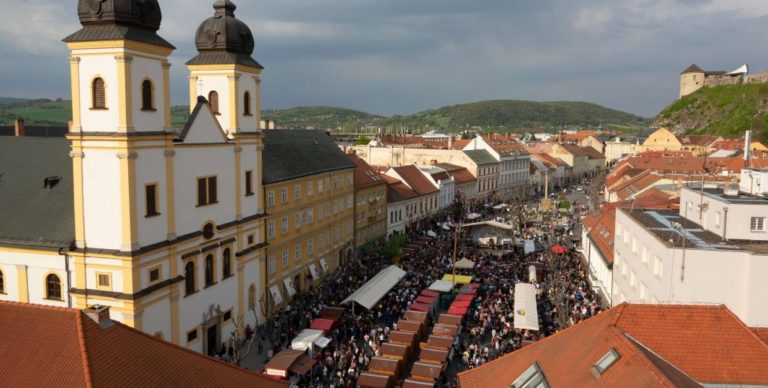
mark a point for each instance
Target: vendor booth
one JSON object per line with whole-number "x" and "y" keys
{"x": 526, "y": 314}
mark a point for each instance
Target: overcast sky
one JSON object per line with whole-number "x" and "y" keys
{"x": 404, "y": 56}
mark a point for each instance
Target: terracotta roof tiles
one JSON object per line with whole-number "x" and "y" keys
{"x": 461, "y": 175}
{"x": 415, "y": 179}
{"x": 49, "y": 346}
{"x": 658, "y": 345}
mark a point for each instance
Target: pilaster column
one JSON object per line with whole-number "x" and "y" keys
{"x": 74, "y": 71}
{"x": 125, "y": 93}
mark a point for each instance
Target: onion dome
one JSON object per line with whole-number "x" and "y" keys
{"x": 136, "y": 20}
{"x": 224, "y": 39}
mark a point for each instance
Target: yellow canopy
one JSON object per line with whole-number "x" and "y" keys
{"x": 460, "y": 279}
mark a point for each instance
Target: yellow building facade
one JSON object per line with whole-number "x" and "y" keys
{"x": 310, "y": 211}
{"x": 662, "y": 140}
{"x": 370, "y": 204}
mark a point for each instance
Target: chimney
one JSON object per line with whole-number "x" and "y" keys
{"x": 747, "y": 144}
{"x": 18, "y": 127}
{"x": 100, "y": 315}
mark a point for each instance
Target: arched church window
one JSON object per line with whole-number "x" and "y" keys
{"x": 213, "y": 101}
{"x": 227, "y": 263}
{"x": 98, "y": 94}
{"x": 247, "y": 104}
{"x": 209, "y": 270}
{"x": 146, "y": 95}
{"x": 189, "y": 278}
{"x": 52, "y": 287}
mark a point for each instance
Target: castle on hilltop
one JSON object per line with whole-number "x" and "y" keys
{"x": 694, "y": 78}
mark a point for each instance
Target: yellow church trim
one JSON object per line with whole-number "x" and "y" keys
{"x": 234, "y": 122}
{"x": 23, "y": 282}
{"x": 224, "y": 67}
{"x": 78, "y": 197}
{"x": 121, "y": 44}
{"x": 74, "y": 67}
{"x": 170, "y": 190}
{"x": 124, "y": 92}
{"x": 167, "y": 95}
{"x": 193, "y": 94}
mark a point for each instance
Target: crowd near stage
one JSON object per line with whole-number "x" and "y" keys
{"x": 511, "y": 278}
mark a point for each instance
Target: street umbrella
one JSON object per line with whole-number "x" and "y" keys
{"x": 558, "y": 249}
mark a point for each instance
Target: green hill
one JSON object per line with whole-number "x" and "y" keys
{"x": 725, "y": 111}
{"x": 320, "y": 117}
{"x": 518, "y": 114}
{"x": 507, "y": 114}
{"x": 490, "y": 115}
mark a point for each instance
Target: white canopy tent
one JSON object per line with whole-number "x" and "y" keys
{"x": 464, "y": 264}
{"x": 526, "y": 315}
{"x": 375, "y": 289}
{"x": 305, "y": 339}
{"x": 472, "y": 216}
{"x": 495, "y": 224}
{"x": 441, "y": 286}
{"x": 324, "y": 265}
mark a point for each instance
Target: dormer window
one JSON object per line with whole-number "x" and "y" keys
{"x": 98, "y": 94}
{"x": 213, "y": 101}
{"x": 606, "y": 361}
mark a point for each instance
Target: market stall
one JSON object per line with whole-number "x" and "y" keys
{"x": 386, "y": 366}
{"x": 396, "y": 351}
{"x": 526, "y": 314}
{"x": 374, "y": 380}
{"x": 423, "y": 371}
{"x": 413, "y": 383}
{"x": 450, "y": 319}
{"x": 372, "y": 291}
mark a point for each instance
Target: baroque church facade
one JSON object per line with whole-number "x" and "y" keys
{"x": 167, "y": 225}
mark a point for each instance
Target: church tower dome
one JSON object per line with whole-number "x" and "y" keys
{"x": 224, "y": 39}
{"x": 136, "y": 20}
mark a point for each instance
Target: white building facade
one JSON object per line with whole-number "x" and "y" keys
{"x": 667, "y": 257}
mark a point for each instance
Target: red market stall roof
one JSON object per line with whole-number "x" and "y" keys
{"x": 464, "y": 297}
{"x": 426, "y": 300}
{"x": 449, "y": 319}
{"x": 430, "y": 293}
{"x": 458, "y": 311}
{"x": 420, "y": 307}
{"x": 322, "y": 324}
{"x": 461, "y": 303}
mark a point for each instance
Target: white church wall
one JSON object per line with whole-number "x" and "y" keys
{"x": 101, "y": 196}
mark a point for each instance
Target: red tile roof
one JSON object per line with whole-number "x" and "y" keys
{"x": 629, "y": 189}
{"x": 578, "y": 136}
{"x": 415, "y": 179}
{"x": 659, "y": 345}
{"x": 539, "y": 147}
{"x": 46, "y": 346}
{"x": 365, "y": 175}
{"x": 698, "y": 140}
{"x": 728, "y": 144}
{"x": 397, "y": 190}
{"x": 549, "y": 160}
{"x": 667, "y": 162}
{"x": 508, "y": 148}
{"x": 461, "y": 175}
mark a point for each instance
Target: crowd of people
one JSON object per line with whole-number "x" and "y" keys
{"x": 564, "y": 298}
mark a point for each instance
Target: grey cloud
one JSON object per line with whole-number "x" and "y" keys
{"x": 401, "y": 56}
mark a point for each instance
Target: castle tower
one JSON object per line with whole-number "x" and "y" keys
{"x": 224, "y": 73}
{"x": 691, "y": 80}
{"x": 120, "y": 120}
